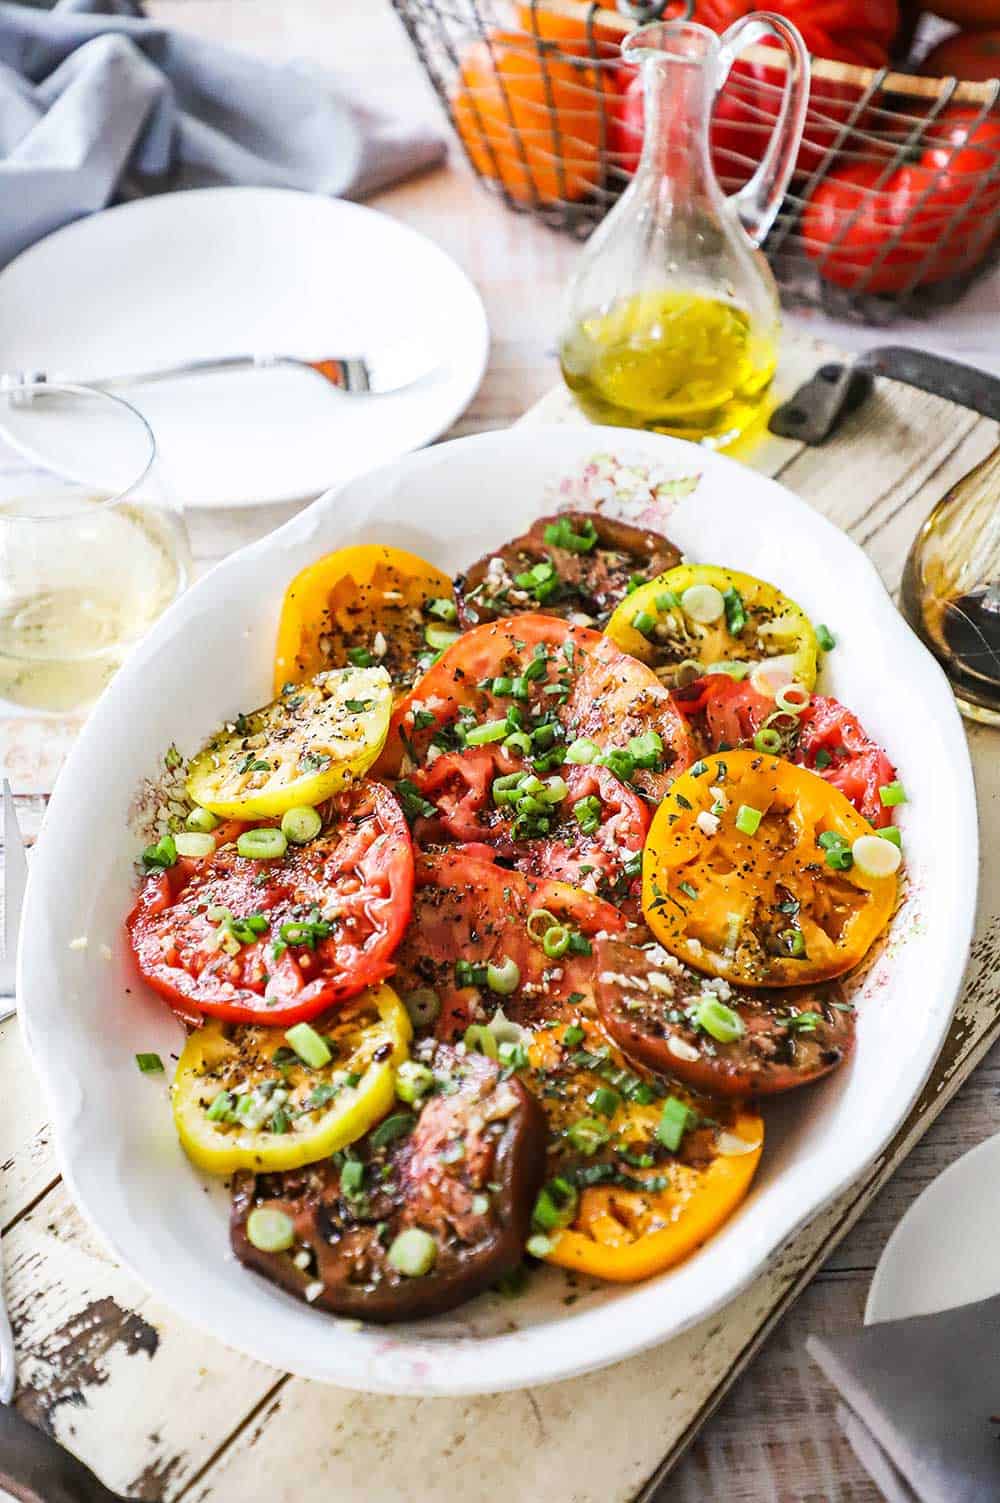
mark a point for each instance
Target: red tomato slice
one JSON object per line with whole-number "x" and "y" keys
{"x": 827, "y": 737}
{"x": 357, "y": 877}
{"x": 460, "y": 785}
{"x": 858, "y": 766}
{"x": 585, "y": 684}
{"x": 467, "y": 908}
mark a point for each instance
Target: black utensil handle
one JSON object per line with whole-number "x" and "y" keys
{"x": 36, "y": 1469}
{"x": 941, "y": 377}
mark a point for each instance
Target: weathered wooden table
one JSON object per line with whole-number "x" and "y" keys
{"x": 161, "y": 1412}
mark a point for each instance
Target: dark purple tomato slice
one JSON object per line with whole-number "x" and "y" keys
{"x": 462, "y": 1171}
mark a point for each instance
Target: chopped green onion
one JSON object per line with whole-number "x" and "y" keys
{"x": 588, "y": 1134}
{"x": 767, "y": 741}
{"x": 483, "y": 735}
{"x": 646, "y": 750}
{"x": 221, "y": 1107}
{"x": 621, "y": 762}
{"x": 412, "y": 802}
{"x": 480, "y": 1041}
{"x": 643, "y": 623}
{"x": 300, "y": 825}
{"x": 891, "y": 833}
{"x": 504, "y": 978}
{"x": 703, "y": 603}
{"x": 413, "y": 1080}
{"x": 892, "y": 793}
{"x": 269, "y": 1230}
{"x": 538, "y": 1246}
{"x": 734, "y": 670}
{"x": 554, "y": 791}
{"x": 676, "y": 1119}
{"x": 555, "y": 941}
{"x": 202, "y": 821}
{"x": 162, "y": 854}
{"x": 537, "y": 667}
{"x": 352, "y": 1178}
{"x": 825, "y": 638}
{"x": 149, "y": 1064}
{"x": 715, "y": 1018}
{"x": 556, "y": 1205}
{"x": 604, "y": 1101}
{"x": 736, "y": 616}
{"x": 194, "y": 846}
{"x": 666, "y": 600}
{"x": 793, "y": 699}
{"x": 560, "y": 534}
{"x": 588, "y": 814}
{"x": 360, "y": 657}
{"x": 310, "y": 1046}
{"x": 839, "y": 856}
{"x": 413, "y": 1253}
{"x": 439, "y": 637}
{"x": 518, "y": 741}
{"x": 748, "y": 819}
{"x": 442, "y": 608}
{"x": 262, "y": 845}
{"x": 304, "y": 932}
{"x": 467, "y": 974}
{"x": 875, "y": 857}
{"x": 519, "y": 688}
{"x": 540, "y": 921}
{"x": 423, "y": 1006}
{"x": 794, "y": 942}
{"x": 399, "y": 1125}
{"x": 582, "y": 751}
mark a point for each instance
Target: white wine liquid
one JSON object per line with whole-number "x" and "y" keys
{"x": 76, "y": 593}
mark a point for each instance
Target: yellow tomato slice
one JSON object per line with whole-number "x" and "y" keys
{"x": 360, "y": 604}
{"x": 737, "y": 877}
{"x": 644, "y": 1218}
{"x": 308, "y": 744}
{"x": 703, "y": 615}
{"x": 294, "y": 1115}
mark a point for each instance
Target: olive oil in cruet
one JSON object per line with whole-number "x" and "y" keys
{"x": 672, "y": 317}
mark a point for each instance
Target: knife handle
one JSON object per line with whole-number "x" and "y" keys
{"x": 35, "y": 1468}
{"x": 958, "y": 383}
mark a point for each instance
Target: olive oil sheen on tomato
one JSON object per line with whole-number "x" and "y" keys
{"x": 672, "y": 361}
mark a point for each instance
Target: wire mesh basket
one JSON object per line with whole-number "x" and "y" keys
{"x": 895, "y": 204}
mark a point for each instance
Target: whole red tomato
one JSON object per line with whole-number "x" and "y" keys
{"x": 937, "y": 213}
{"x": 971, "y": 55}
{"x": 853, "y": 31}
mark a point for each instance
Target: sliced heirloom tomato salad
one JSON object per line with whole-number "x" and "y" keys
{"x": 494, "y": 929}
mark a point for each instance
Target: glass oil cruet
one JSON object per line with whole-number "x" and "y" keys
{"x": 951, "y": 588}
{"x": 672, "y": 318}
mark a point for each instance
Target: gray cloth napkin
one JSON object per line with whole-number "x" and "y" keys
{"x": 99, "y": 104}
{"x": 921, "y": 1396}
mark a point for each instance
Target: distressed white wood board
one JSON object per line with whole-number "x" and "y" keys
{"x": 206, "y": 1424}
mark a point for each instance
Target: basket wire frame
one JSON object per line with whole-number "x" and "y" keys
{"x": 856, "y": 116}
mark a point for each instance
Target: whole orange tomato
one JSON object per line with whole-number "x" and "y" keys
{"x": 529, "y": 116}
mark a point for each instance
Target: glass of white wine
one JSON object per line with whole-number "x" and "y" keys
{"x": 91, "y": 550}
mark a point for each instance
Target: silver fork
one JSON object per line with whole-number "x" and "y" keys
{"x": 387, "y": 370}
{"x": 33, "y": 1465}
{"x": 15, "y": 875}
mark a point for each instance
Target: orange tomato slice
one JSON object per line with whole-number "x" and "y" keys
{"x": 365, "y": 606}
{"x": 738, "y": 880}
{"x": 645, "y": 1218}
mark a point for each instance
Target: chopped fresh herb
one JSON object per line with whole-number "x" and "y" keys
{"x": 360, "y": 657}
{"x": 358, "y": 706}
{"x": 412, "y": 802}
{"x": 736, "y": 616}
{"x": 825, "y": 638}
{"x": 149, "y": 1064}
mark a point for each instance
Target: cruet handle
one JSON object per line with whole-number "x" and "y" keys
{"x": 759, "y": 200}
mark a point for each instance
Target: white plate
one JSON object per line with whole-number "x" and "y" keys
{"x": 223, "y": 271}
{"x": 940, "y": 1255}
{"x": 210, "y": 656}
